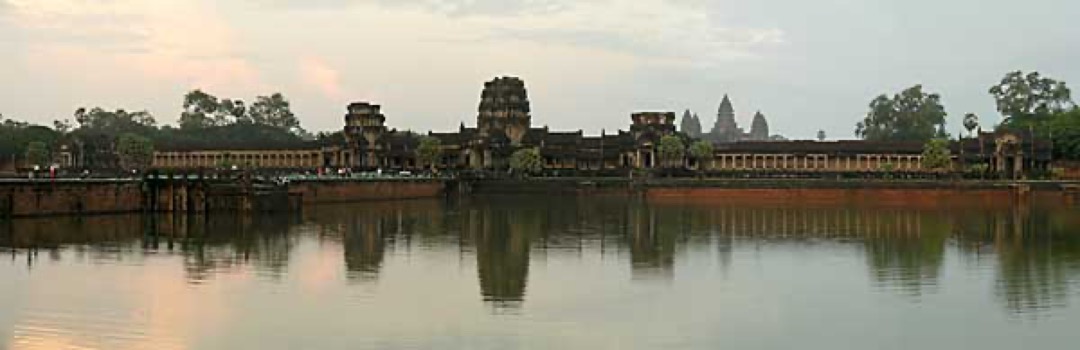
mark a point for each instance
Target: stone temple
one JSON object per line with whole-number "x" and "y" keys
{"x": 726, "y": 129}
{"x": 504, "y": 125}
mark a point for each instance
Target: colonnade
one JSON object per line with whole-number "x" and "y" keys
{"x": 819, "y": 162}
{"x": 257, "y": 159}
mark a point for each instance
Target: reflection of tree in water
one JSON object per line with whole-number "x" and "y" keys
{"x": 905, "y": 250}
{"x": 207, "y": 243}
{"x": 107, "y": 237}
{"x": 367, "y": 231}
{"x": 1038, "y": 258}
{"x": 225, "y": 242}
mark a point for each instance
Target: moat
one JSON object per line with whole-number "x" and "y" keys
{"x": 546, "y": 271}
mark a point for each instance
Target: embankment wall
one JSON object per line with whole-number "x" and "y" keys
{"x": 341, "y": 191}
{"x": 45, "y": 197}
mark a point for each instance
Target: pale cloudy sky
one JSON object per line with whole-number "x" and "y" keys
{"x": 588, "y": 64}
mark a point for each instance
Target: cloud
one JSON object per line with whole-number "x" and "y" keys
{"x": 666, "y": 31}
{"x": 317, "y": 74}
{"x": 453, "y": 8}
{"x": 671, "y": 31}
{"x": 183, "y": 42}
{"x": 486, "y": 7}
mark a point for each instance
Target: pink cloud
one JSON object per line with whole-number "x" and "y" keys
{"x": 317, "y": 74}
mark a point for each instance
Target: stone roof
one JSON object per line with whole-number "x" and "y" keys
{"x": 833, "y": 147}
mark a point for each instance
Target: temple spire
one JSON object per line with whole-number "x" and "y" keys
{"x": 725, "y": 105}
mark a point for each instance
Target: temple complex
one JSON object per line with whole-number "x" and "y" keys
{"x": 726, "y": 129}
{"x": 504, "y": 125}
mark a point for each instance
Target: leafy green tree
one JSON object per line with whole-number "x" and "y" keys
{"x": 37, "y": 153}
{"x": 63, "y": 126}
{"x": 232, "y": 111}
{"x": 199, "y": 110}
{"x": 671, "y": 149}
{"x": 911, "y": 115}
{"x": 1066, "y": 134}
{"x": 16, "y": 136}
{"x": 1026, "y": 99}
{"x": 429, "y": 151}
{"x": 274, "y": 110}
{"x": 701, "y": 151}
{"x": 117, "y": 121}
{"x": 527, "y": 161}
{"x": 936, "y": 154}
{"x": 134, "y": 151}
{"x": 971, "y": 121}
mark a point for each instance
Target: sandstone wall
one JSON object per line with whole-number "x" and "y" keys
{"x": 353, "y": 191}
{"x": 69, "y": 197}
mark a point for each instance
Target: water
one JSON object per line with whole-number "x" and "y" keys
{"x": 548, "y": 272}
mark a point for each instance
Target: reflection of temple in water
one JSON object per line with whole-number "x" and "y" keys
{"x": 364, "y": 244}
{"x": 652, "y": 249}
{"x": 1035, "y": 252}
{"x": 502, "y": 239}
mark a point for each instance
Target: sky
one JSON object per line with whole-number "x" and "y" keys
{"x": 587, "y": 64}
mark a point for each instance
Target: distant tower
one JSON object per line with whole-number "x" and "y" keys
{"x": 726, "y": 129}
{"x": 504, "y": 109}
{"x": 759, "y": 129}
{"x": 364, "y": 125}
{"x": 690, "y": 125}
{"x": 697, "y": 124}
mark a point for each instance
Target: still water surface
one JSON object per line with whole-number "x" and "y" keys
{"x": 548, "y": 272}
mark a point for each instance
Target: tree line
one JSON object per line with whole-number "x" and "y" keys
{"x": 1027, "y": 101}
{"x": 126, "y": 139}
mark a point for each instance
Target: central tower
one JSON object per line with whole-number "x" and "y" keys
{"x": 504, "y": 109}
{"x": 364, "y": 126}
{"x": 726, "y": 129}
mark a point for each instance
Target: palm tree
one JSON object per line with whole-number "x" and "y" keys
{"x": 971, "y": 121}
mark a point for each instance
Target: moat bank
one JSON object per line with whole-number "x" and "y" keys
{"x": 78, "y": 197}
{"x": 875, "y": 192}
{"x": 22, "y": 198}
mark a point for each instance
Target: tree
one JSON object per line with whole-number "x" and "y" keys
{"x": 134, "y": 151}
{"x": 274, "y": 111}
{"x": 911, "y": 115}
{"x": 1031, "y": 98}
{"x": 16, "y": 136}
{"x": 821, "y": 135}
{"x": 936, "y": 154}
{"x": 526, "y": 161}
{"x": 199, "y": 110}
{"x": 63, "y": 126}
{"x": 37, "y": 153}
{"x": 971, "y": 121}
{"x": 671, "y": 149}
{"x": 701, "y": 151}
{"x": 231, "y": 112}
{"x": 429, "y": 151}
{"x": 1066, "y": 134}
{"x": 117, "y": 121}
